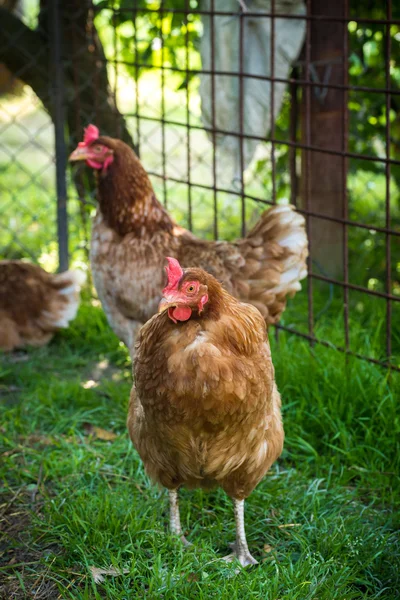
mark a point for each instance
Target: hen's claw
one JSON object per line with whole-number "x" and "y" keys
{"x": 185, "y": 542}
{"x": 245, "y": 559}
{"x": 242, "y": 555}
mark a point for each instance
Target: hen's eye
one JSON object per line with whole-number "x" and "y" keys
{"x": 97, "y": 148}
{"x": 190, "y": 288}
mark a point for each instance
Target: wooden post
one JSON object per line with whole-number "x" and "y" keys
{"x": 323, "y": 193}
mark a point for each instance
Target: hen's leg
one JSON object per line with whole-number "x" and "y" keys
{"x": 240, "y": 548}
{"x": 175, "y": 517}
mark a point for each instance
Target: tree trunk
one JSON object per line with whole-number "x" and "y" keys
{"x": 323, "y": 183}
{"x": 9, "y": 84}
{"x": 88, "y": 96}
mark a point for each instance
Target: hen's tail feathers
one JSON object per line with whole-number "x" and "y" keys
{"x": 65, "y": 300}
{"x": 275, "y": 253}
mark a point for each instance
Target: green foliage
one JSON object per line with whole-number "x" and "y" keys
{"x": 368, "y": 112}
{"x": 323, "y": 524}
{"x": 151, "y": 38}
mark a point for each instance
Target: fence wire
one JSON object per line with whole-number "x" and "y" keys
{"x": 329, "y": 143}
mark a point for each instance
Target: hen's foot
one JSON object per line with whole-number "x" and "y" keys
{"x": 240, "y": 548}
{"x": 242, "y": 555}
{"x": 185, "y": 542}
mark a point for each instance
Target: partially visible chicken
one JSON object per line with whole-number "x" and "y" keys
{"x": 204, "y": 409}
{"x": 132, "y": 233}
{"x": 35, "y": 304}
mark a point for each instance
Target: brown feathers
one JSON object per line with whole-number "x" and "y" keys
{"x": 126, "y": 196}
{"x": 34, "y": 304}
{"x": 204, "y": 409}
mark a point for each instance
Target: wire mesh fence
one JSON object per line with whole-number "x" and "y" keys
{"x": 232, "y": 106}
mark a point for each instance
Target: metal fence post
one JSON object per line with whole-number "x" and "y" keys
{"x": 58, "y": 99}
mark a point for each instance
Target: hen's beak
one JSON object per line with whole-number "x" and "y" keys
{"x": 79, "y": 154}
{"x": 165, "y": 304}
{"x": 170, "y": 299}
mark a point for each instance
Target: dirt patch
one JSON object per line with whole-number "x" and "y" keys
{"x": 24, "y": 574}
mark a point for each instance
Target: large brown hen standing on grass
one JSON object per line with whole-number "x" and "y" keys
{"x": 204, "y": 408}
{"x": 132, "y": 232}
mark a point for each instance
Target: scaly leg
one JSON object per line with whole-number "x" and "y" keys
{"x": 175, "y": 518}
{"x": 240, "y": 548}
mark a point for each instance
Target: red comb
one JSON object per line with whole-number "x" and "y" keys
{"x": 91, "y": 134}
{"x": 174, "y": 272}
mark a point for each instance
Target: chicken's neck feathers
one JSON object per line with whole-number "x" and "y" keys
{"x": 127, "y": 200}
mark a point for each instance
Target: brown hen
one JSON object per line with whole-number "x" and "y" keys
{"x": 132, "y": 233}
{"x": 35, "y": 304}
{"x": 204, "y": 409}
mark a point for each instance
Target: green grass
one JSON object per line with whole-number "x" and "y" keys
{"x": 323, "y": 523}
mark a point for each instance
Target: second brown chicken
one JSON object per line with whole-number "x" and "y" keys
{"x": 132, "y": 233}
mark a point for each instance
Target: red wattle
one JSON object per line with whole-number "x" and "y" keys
{"x": 181, "y": 313}
{"x": 93, "y": 163}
